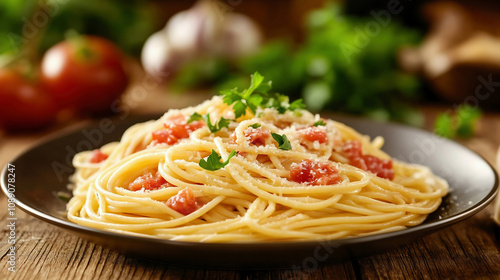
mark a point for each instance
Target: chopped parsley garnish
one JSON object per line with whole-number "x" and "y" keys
{"x": 206, "y": 118}
{"x": 255, "y": 125}
{"x": 281, "y": 103}
{"x": 213, "y": 161}
{"x": 320, "y": 123}
{"x": 283, "y": 142}
{"x": 258, "y": 95}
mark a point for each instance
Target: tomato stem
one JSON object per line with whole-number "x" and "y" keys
{"x": 83, "y": 51}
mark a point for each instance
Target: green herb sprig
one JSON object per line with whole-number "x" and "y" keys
{"x": 213, "y": 161}
{"x": 283, "y": 142}
{"x": 206, "y": 118}
{"x": 258, "y": 95}
{"x": 320, "y": 123}
{"x": 255, "y": 125}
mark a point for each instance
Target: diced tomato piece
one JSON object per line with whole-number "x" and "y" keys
{"x": 176, "y": 128}
{"x": 183, "y": 202}
{"x": 243, "y": 154}
{"x": 314, "y": 173}
{"x": 257, "y": 136}
{"x": 149, "y": 182}
{"x": 98, "y": 156}
{"x": 232, "y": 138}
{"x": 358, "y": 162}
{"x": 164, "y": 136}
{"x": 192, "y": 126}
{"x": 380, "y": 167}
{"x": 313, "y": 133}
{"x": 352, "y": 148}
{"x": 179, "y": 131}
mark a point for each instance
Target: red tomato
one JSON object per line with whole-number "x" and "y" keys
{"x": 98, "y": 156}
{"x": 149, "y": 182}
{"x": 176, "y": 128}
{"x": 257, "y": 136}
{"x": 164, "y": 136}
{"x": 24, "y": 105}
{"x": 184, "y": 202}
{"x": 313, "y": 172}
{"x": 314, "y": 133}
{"x": 380, "y": 167}
{"x": 352, "y": 148}
{"x": 85, "y": 73}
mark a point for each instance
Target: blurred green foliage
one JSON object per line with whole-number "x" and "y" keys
{"x": 44, "y": 22}
{"x": 459, "y": 123}
{"x": 345, "y": 64}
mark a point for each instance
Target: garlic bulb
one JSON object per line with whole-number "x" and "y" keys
{"x": 158, "y": 57}
{"x": 195, "y": 30}
{"x": 205, "y": 30}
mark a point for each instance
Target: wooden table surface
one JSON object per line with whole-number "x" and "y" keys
{"x": 467, "y": 250}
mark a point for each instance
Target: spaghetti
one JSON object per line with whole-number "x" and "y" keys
{"x": 294, "y": 176}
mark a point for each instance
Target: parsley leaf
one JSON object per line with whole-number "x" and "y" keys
{"x": 254, "y": 101}
{"x": 281, "y": 103}
{"x": 255, "y": 81}
{"x": 283, "y": 142}
{"x": 258, "y": 96}
{"x": 206, "y": 118}
{"x": 320, "y": 123}
{"x": 239, "y": 108}
{"x": 255, "y": 125}
{"x": 297, "y": 105}
{"x": 249, "y": 98}
{"x": 213, "y": 161}
{"x": 230, "y": 95}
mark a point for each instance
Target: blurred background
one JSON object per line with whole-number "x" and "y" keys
{"x": 67, "y": 60}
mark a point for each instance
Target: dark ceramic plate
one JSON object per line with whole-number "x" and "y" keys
{"x": 42, "y": 172}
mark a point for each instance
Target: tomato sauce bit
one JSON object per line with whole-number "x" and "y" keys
{"x": 257, "y": 136}
{"x": 380, "y": 167}
{"x": 98, "y": 156}
{"x": 184, "y": 202}
{"x": 314, "y": 173}
{"x": 149, "y": 182}
{"x": 313, "y": 133}
{"x": 176, "y": 128}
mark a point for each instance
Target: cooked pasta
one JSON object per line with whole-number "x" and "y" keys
{"x": 294, "y": 176}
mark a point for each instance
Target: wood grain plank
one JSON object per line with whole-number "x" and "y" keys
{"x": 467, "y": 250}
